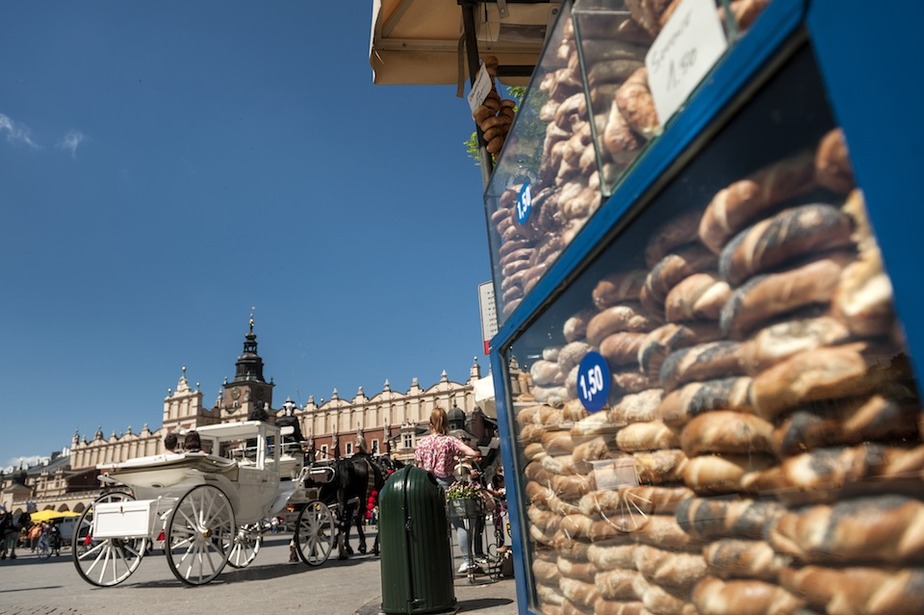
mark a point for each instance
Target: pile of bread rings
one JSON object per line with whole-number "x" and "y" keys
{"x": 495, "y": 115}
{"x": 763, "y": 401}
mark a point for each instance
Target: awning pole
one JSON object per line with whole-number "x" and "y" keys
{"x": 471, "y": 52}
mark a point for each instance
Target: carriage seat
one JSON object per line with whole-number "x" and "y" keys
{"x": 168, "y": 469}
{"x": 321, "y": 475}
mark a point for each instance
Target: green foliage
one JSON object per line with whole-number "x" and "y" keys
{"x": 471, "y": 147}
{"x": 462, "y": 491}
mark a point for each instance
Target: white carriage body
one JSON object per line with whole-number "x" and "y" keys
{"x": 250, "y": 470}
{"x": 210, "y": 507}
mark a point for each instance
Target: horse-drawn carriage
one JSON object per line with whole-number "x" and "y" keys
{"x": 208, "y": 507}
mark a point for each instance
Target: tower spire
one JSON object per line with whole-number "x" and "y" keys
{"x": 249, "y": 366}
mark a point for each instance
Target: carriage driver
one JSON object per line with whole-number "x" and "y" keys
{"x": 290, "y": 420}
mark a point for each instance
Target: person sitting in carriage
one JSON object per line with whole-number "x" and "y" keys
{"x": 288, "y": 419}
{"x": 192, "y": 443}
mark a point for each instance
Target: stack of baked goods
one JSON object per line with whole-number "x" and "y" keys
{"x": 614, "y": 47}
{"x": 762, "y": 400}
{"x": 832, "y": 411}
{"x": 495, "y": 115}
{"x": 611, "y": 546}
{"x": 565, "y": 189}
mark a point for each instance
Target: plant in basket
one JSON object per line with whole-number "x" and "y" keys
{"x": 464, "y": 500}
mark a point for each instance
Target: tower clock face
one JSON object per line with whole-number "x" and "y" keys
{"x": 235, "y": 394}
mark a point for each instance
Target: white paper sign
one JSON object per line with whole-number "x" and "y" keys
{"x": 688, "y": 46}
{"x": 480, "y": 89}
{"x": 488, "y": 314}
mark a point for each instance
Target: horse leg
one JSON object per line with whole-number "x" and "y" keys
{"x": 343, "y": 543}
{"x": 347, "y": 527}
{"x": 343, "y": 535}
{"x": 360, "y": 517}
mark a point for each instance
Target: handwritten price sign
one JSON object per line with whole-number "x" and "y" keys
{"x": 593, "y": 382}
{"x": 685, "y": 50}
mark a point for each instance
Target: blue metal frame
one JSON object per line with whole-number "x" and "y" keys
{"x": 869, "y": 63}
{"x": 854, "y": 44}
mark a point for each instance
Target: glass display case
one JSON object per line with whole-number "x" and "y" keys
{"x": 723, "y": 415}
{"x": 543, "y": 188}
{"x": 556, "y": 164}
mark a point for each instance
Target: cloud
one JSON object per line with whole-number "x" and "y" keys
{"x": 71, "y": 142}
{"x": 14, "y": 463}
{"x": 16, "y": 133}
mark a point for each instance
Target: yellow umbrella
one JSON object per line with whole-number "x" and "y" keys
{"x": 49, "y": 514}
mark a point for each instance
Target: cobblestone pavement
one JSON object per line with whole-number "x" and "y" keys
{"x": 270, "y": 585}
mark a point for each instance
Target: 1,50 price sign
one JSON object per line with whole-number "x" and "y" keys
{"x": 524, "y": 203}
{"x": 593, "y": 382}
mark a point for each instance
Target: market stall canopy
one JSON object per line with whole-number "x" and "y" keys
{"x": 421, "y": 42}
{"x": 49, "y": 514}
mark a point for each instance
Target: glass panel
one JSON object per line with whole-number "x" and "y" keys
{"x": 544, "y": 187}
{"x": 722, "y": 404}
{"x": 614, "y": 38}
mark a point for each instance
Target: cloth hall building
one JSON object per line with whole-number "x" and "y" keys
{"x": 390, "y": 420}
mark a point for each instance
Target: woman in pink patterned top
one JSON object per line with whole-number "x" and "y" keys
{"x": 437, "y": 454}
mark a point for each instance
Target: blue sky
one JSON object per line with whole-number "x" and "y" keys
{"x": 166, "y": 166}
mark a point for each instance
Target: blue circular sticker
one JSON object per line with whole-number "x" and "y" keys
{"x": 593, "y": 381}
{"x": 524, "y": 203}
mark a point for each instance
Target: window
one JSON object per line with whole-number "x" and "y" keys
{"x": 375, "y": 446}
{"x": 408, "y": 440}
{"x": 349, "y": 448}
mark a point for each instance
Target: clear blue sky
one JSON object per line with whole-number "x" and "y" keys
{"x": 164, "y": 166}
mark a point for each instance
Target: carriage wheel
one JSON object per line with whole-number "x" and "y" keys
{"x": 314, "y": 533}
{"x": 245, "y": 546}
{"x": 108, "y": 561}
{"x": 199, "y": 529}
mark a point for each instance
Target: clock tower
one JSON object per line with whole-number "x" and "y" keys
{"x": 248, "y": 390}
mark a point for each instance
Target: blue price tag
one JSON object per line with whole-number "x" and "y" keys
{"x": 524, "y": 203}
{"x": 593, "y": 382}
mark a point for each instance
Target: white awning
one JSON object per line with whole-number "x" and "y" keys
{"x": 483, "y": 392}
{"x": 419, "y": 42}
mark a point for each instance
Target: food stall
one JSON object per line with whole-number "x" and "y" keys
{"x": 703, "y": 255}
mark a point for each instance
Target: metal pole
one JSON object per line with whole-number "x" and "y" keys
{"x": 471, "y": 52}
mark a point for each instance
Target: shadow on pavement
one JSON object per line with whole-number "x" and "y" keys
{"x": 482, "y": 603}
{"x": 255, "y": 572}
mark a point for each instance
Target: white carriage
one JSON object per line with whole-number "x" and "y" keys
{"x": 209, "y": 508}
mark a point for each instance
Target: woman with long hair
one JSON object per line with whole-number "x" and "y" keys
{"x": 436, "y": 453}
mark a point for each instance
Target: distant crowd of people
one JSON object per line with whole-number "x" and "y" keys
{"x": 17, "y": 530}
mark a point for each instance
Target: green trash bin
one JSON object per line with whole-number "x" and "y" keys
{"x": 416, "y": 555}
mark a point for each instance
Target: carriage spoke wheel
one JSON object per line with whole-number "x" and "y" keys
{"x": 199, "y": 530}
{"x": 245, "y": 546}
{"x": 314, "y": 533}
{"x": 107, "y": 561}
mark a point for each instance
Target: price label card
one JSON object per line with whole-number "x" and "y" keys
{"x": 688, "y": 46}
{"x": 480, "y": 89}
{"x": 524, "y": 203}
{"x": 593, "y": 381}
{"x": 612, "y": 474}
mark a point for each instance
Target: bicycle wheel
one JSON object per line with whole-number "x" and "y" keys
{"x": 109, "y": 561}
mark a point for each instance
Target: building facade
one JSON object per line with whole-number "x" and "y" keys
{"x": 390, "y": 420}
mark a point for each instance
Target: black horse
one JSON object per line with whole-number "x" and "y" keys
{"x": 352, "y": 491}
